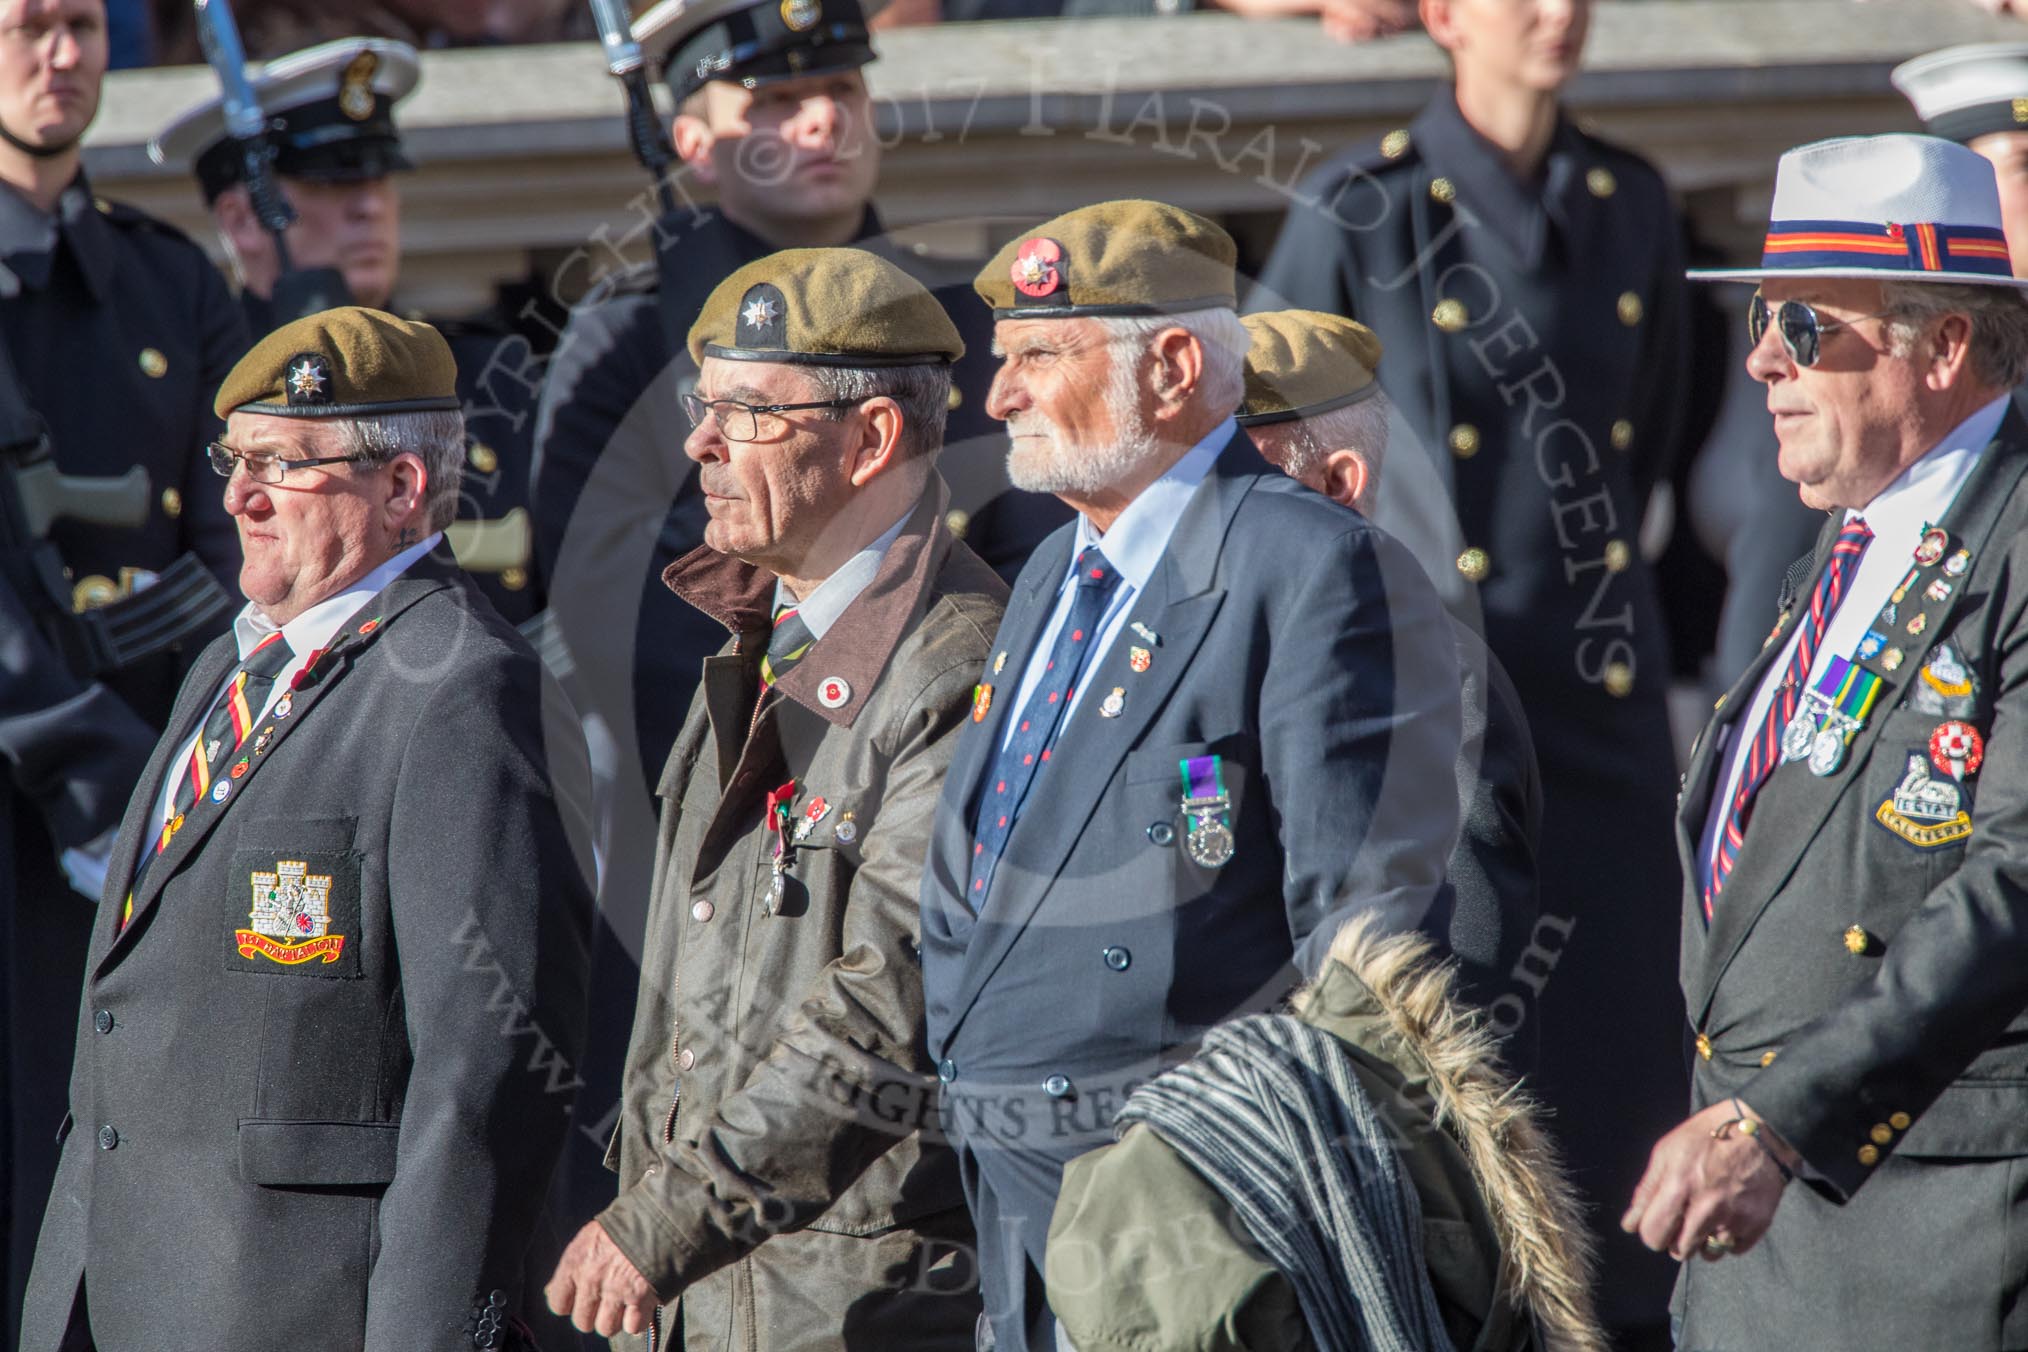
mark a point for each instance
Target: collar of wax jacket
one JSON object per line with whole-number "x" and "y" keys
{"x": 28, "y": 237}
{"x": 1518, "y": 211}
{"x": 829, "y": 598}
{"x": 861, "y": 638}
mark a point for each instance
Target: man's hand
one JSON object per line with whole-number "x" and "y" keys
{"x": 597, "y": 1289}
{"x": 1699, "y": 1186}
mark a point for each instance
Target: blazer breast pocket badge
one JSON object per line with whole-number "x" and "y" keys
{"x": 1928, "y": 811}
{"x": 302, "y": 914}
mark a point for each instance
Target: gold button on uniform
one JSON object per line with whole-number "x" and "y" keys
{"x": 1618, "y": 554}
{"x": 1857, "y": 941}
{"x": 172, "y": 502}
{"x": 1395, "y": 144}
{"x": 483, "y": 458}
{"x": 1869, "y": 1155}
{"x": 92, "y": 592}
{"x": 1767, "y": 1057}
{"x": 1882, "y": 1134}
{"x": 1464, "y": 441}
{"x": 1619, "y": 680}
{"x": 955, "y": 399}
{"x": 513, "y": 579}
{"x": 1630, "y": 309}
{"x": 958, "y": 521}
{"x": 153, "y": 364}
{"x": 1443, "y": 190}
{"x": 1704, "y": 1046}
{"x": 1623, "y": 434}
{"x": 1474, "y": 565}
{"x": 1450, "y": 315}
{"x": 1601, "y": 182}
{"x": 1899, "y": 1121}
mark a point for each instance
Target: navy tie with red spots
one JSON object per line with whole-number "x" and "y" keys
{"x": 1028, "y": 747}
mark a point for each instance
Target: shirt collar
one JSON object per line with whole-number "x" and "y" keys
{"x": 315, "y": 627}
{"x": 1139, "y": 534}
{"x": 827, "y": 601}
{"x": 1922, "y": 493}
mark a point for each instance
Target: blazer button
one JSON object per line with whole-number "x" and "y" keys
{"x": 947, "y": 1070}
{"x": 1118, "y": 958}
{"x": 1162, "y": 833}
{"x": 702, "y": 911}
{"x": 685, "y": 1059}
{"x": 103, "y": 1021}
{"x": 1057, "y": 1086}
{"x": 108, "y": 1138}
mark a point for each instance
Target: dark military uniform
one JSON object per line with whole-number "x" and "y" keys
{"x": 1535, "y": 349}
{"x": 120, "y": 330}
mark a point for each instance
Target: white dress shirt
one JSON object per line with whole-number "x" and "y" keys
{"x": 1134, "y": 546}
{"x": 313, "y": 629}
{"x": 1898, "y": 516}
{"x": 829, "y": 598}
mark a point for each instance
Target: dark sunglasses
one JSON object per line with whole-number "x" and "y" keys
{"x": 1802, "y": 332}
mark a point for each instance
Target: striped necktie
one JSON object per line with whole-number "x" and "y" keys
{"x": 786, "y": 645}
{"x": 229, "y": 723}
{"x": 1766, "y": 751}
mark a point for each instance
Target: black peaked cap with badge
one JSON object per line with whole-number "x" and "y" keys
{"x": 1127, "y": 257}
{"x": 350, "y": 362}
{"x": 1300, "y": 363}
{"x": 330, "y": 116}
{"x": 825, "y": 307}
{"x": 752, "y": 41}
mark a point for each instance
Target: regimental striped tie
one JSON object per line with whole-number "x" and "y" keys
{"x": 1766, "y": 751}
{"x": 229, "y": 723}
{"x": 788, "y": 642}
{"x": 1029, "y": 745}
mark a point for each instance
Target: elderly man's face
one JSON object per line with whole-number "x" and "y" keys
{"x": 1842, "y": 424}
{"x": 1067, "y": 396}
{"x": 770, "y": 498}
{"x": 319, "y": 530}
{"x": 53, "y": 56}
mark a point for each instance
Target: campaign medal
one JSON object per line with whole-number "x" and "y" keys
{"x": 776, "y": 819}
{"x": 1206, "y": 806}
{"x": 1957, "y": 749}
{"x": 1831, "y": 716}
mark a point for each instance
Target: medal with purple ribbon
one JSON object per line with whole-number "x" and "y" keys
{"x": 1206, "y": 806}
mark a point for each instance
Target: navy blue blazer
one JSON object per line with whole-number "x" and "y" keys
{"x": 1305, "y": 647}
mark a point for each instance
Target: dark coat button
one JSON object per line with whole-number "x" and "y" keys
{"x": 103, "y": 1021}
{"x": 1162, "y": 833}
{"x": 1118, "y": 958}
{"x": 1057, "y": 1086}
{"x": 947, "y": 1070}
{"x": 108, "y": 1138}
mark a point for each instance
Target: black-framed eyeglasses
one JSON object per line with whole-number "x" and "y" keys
{"x": 1802, "y": 332}
{"x": 739, "y": 421}
{"x": 269, "y": 469}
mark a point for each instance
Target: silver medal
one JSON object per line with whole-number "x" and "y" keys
{"x": 1827, "y": 752}
{"x": 1209, "y": 842}
{"x": 1800, "y": 733}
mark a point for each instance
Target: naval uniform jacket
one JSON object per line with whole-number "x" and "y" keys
{"x": 1536, "y": 350}
{"x": 344, "y": 1145}
{"x": 1303, "y": 646}
{"x": 1867, "y": 995}
{"x": 780, "y": 1163}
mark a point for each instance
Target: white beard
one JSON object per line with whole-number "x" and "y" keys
{"x": 1056, "y": 464}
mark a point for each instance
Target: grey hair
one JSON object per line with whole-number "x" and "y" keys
{"x": 1224, "y": 338}
{"x": 436, "y": 437}
{"x": 1999, "y": 315}
{"x": 1360, "y": 427}
{"x": 924, "y": 393}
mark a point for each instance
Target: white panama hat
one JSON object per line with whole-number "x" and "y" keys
{"x": 1905, "y": 208}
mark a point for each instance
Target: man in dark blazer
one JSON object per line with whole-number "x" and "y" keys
{"x": 1315, "y": 409}
{"x": 334, "y": 995}
{"x": 1855, "y": 945}
{"x": 1220, "y": 717}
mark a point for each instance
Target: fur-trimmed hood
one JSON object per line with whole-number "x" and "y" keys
{"x": 1546, "y": 1252}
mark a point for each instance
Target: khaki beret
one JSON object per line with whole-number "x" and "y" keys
{"x": 350, "y": 362}
{"x": 1300, "y": 363}
{"x": 1114, "y": 258}
{"x": 824, "y": 307}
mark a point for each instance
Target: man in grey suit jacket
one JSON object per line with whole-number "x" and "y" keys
{"x": 1220, "y": 716}
{"x": 335, "y": 991}
{"x": 1855, "y": 943}
{"x": 1315, "y": 409}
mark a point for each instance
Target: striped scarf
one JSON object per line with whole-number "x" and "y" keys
{"x": 1272, "y": 1115}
